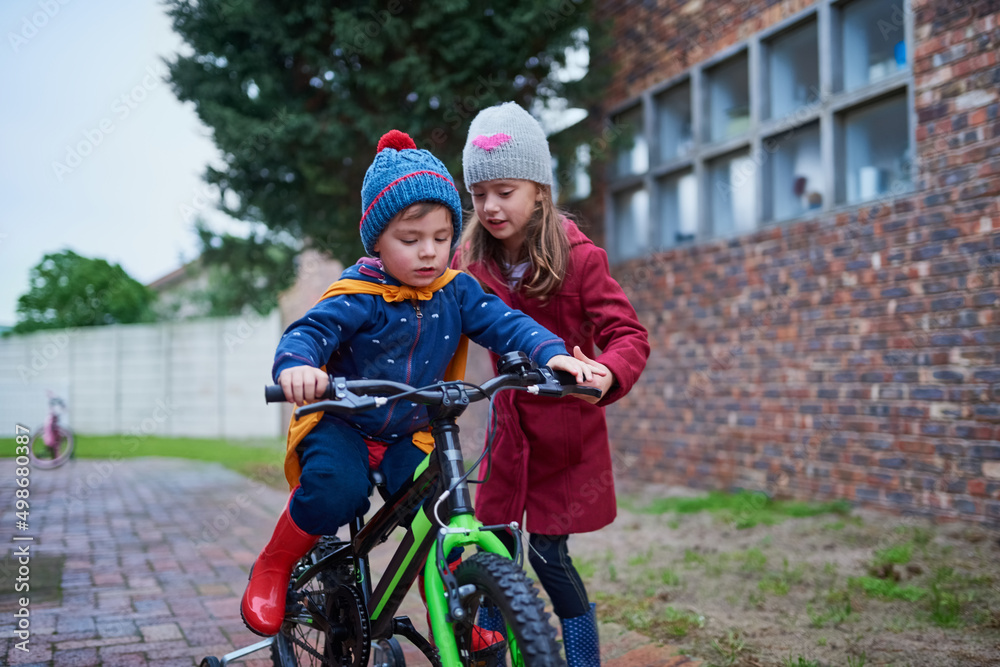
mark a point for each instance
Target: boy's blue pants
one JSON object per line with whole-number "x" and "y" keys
{"x": 334, "y": 485}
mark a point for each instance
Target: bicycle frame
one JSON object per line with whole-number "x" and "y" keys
{"x": 442, "y": 468}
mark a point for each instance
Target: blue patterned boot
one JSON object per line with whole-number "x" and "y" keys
{"x": 490, "y": 618}
{"x": 583, "y": 648}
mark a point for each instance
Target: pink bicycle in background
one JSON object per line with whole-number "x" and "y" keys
{"x": 51, "y": 444}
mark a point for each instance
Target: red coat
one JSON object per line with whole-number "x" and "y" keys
{"x": 551, "y": 457}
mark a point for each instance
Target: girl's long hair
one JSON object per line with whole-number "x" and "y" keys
{"x": 546, "y": 247}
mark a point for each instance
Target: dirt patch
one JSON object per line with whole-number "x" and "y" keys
{"x": 855, "y": 588}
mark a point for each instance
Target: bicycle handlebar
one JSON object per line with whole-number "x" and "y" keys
{"x": 350, "y": 396}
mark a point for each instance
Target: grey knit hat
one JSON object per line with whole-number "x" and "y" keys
{"x": 505, "y": 141}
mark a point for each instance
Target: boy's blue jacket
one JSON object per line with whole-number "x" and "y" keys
{"x": 363, "y": 336}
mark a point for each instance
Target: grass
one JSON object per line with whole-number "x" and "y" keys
{"x": 45, "y": 580}
{"x": 640, "y": 559}
{"x": 586, "y": 567}
{"x": 644, "y": 616}
{"x": 857, "y": 660}
{"x": 899, "y": 554}
{"x": 743, "y": 510}
{"x": 836, "y": 609}
{"x": 670, "y": 578}
{"x": 754, "y": 560}
{"x": 779, "y": 583}
{"x": 946, "y": 605}
{"x": 887, "y": 589}
{"x": 259, "y": 459}
{"x": 728, "y": 649}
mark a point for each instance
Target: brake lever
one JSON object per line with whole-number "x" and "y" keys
{"x": 349, "y": 406}
{"x": 561, "y": 383}
{"x": 343, "y": 400}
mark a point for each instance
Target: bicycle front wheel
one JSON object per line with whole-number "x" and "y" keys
{"x": 503, "y": 588}
{"x": 44, "y": 456}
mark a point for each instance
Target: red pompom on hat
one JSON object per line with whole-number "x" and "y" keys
{"x": 396, "y": 140}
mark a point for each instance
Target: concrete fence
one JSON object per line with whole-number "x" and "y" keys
{"x": 201, "y": 378}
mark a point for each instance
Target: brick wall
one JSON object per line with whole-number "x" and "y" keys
{"x": 854, "y": 355}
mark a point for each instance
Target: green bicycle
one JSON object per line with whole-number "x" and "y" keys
{"x": 336, "y": 615}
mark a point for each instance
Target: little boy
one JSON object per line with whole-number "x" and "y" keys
{"x": 398, "y": 315}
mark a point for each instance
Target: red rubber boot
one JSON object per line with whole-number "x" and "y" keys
{"x": 263, "y": 606}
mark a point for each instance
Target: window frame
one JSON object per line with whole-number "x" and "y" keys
{"x": 827, "y": 113}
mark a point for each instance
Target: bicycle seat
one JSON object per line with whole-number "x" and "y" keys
{"x": 378, "y": 479}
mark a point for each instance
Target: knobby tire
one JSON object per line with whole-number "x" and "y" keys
{"x": 500, "y": 581}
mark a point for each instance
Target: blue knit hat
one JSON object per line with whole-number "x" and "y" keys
{"x": 400, "y": 176}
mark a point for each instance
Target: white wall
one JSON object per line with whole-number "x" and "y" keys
{"x": 200, "y": 378}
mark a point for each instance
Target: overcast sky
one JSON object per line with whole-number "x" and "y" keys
{"x": 96, "y": 153}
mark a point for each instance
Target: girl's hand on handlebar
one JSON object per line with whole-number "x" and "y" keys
{"x": 583, "y": 371}
{"x": 602, "y": 381}
{"x": 303, "y": 384}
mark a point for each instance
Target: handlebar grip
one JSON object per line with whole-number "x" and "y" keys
{"x": 273, "y": 393}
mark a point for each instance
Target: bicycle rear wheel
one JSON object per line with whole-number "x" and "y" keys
{"x": 44, "y": 456}
{"x": 498, "y": 581}
{"x": 326, "y": 623}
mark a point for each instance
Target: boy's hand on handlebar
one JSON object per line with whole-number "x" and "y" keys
{"x": 602, "y": 381}
{"x": 303, "y": 384}
{"x": 582, "y": 370}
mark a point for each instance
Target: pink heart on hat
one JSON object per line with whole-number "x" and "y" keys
{"x": 492, "y": 141}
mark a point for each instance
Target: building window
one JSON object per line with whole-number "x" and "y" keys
{"x": 872, "y": 41}
{"x": 728, "y": 98}
{"x": 632, "y": 156}
{"x": 795, "y": 173}
{"x": 632, "y": 214}
{"x": 792, "y": 70}
{"x": 673, "y": 122}
{"x": 573, "y": 183}
{"x": 812, "y": 114}
{"x": 876, "y": 149}
{"x": 733, "y": 179}
{"x": 678, "y": 209}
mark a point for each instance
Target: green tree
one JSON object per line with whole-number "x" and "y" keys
{"x": 67, "y": 290}
{"x": 298, "y": 93}
{"x": 244, "y": 272}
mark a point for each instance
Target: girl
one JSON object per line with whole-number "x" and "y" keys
{"x": 551, "y": 460}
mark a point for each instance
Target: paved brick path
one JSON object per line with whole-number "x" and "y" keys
{"x": 156, "y": 559}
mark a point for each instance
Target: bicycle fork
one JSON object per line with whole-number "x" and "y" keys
{"x": 441, "y": 588}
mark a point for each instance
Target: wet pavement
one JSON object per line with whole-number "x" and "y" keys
{"x": 155, "y": 558}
